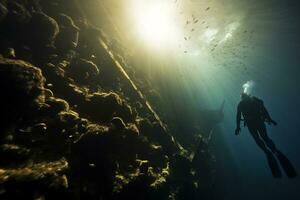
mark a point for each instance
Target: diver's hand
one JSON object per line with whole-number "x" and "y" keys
{"x": 273, "y": 122}
{"x": 237, "y": 130}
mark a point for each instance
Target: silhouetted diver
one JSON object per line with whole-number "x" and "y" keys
{"x": 255, "y": 115}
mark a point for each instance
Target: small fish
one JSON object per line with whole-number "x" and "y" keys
{"x": 207, "y": 8}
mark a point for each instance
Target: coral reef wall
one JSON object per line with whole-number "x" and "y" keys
{"x": 72, "y": 124}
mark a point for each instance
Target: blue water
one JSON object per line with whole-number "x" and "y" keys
{"x": 188, "y": 82}
{"x": 277, "y": 75}
{"x": 274, "y": 67}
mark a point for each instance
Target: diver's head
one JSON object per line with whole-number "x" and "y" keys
{"x": 245, "y": 96}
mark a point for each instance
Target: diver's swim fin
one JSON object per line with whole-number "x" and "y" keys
{"x": 275, "y": 169}
{"x": 286, "y": 165}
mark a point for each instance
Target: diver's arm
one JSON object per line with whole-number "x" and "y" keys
{"x": 238, "y": 120}
{"x": 267, "y": 115}
{"x": 238, "y": 117}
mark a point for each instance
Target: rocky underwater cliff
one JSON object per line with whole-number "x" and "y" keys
{"x": 73, "y": 124}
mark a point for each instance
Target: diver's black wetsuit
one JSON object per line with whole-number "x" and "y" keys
{"x": 255, "y": 115}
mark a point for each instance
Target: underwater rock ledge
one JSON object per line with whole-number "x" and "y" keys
{"x": 70, "y": 127}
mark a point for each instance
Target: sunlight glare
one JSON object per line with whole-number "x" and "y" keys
{"x": 155, "y": 21}
{"x": 210, "y": 35}
{"x": 229, "y": 30}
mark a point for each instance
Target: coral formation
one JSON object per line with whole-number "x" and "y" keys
{"x": 71, "y": 125}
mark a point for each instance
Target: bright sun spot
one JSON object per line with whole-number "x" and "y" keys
{"x": 155, "y": 21}
{"x": 161, "y": 24}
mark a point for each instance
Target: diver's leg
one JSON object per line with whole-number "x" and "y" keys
{"x": 259, "y": 142}
{"x": 284, "y": 161}
{"x": 286, "y": 165}
{"x": 263, "y": 134}
{"x": 271, "y": 159}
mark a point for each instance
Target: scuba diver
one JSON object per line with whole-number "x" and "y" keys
{"x": 255, "y": 115}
